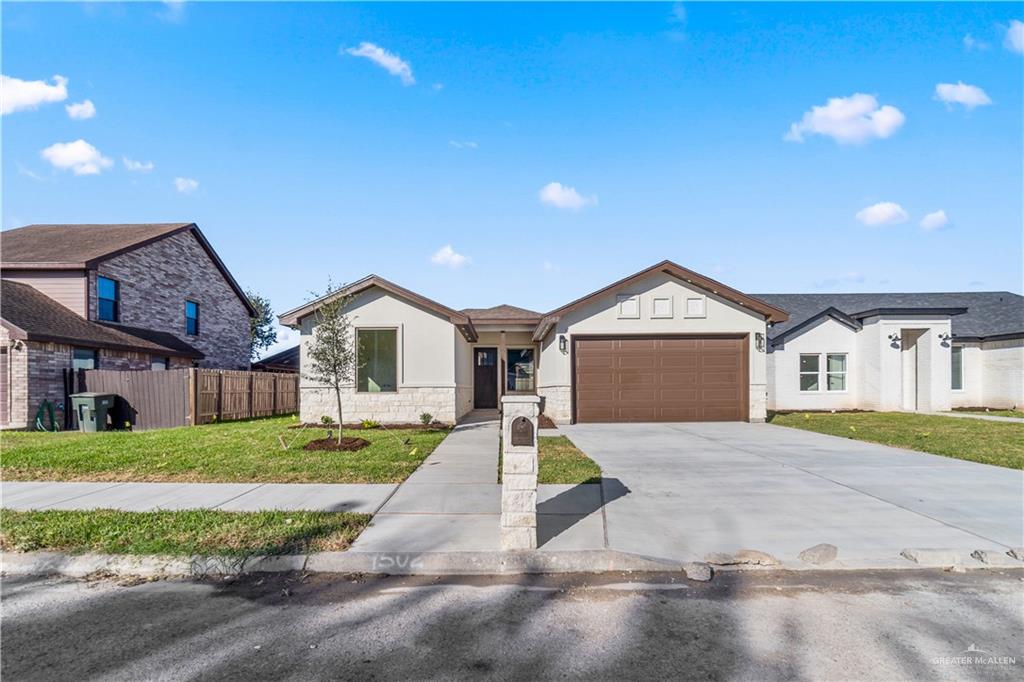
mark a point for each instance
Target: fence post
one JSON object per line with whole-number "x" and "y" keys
{"x": 220, "y": 395}
{"x": 252, "y": 396}
{"x": 273, "y": 404}
{"x": 193, "y": 400}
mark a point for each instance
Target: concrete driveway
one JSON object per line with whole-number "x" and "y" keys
{"x": 692, "y": 489}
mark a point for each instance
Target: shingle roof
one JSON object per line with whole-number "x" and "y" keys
{"x": 33, "y": 315}
{"x": 502, "y": 312}
{"x": 286, "y": 359}
{"x": 989, "y": 313}
{"x": 77, "y": 243}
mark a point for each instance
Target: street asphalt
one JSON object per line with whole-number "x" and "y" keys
{"x": 910, "y": 625}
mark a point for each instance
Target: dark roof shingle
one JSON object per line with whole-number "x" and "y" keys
{"x": 77, "y": 243}
{"x": 989, "y": 313}
{"x": 502, "y": 312}
{"x": 43, "y": 319}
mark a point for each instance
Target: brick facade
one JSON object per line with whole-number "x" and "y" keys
{"x": 156, "y": 280}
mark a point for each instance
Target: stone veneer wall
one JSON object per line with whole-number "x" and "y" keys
{"x": 403, "y": 407}
{"x": 156, "y": 280}
{"x": 557, "y": 403}
{"x": 17, "y": 377}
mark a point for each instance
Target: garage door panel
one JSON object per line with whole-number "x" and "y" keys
{"x": 660, "y": 379}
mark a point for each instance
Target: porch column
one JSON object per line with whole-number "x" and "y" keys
{"x": 519, "y": 424}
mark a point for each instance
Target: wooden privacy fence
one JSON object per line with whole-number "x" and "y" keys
{"x": 157, "y": 399}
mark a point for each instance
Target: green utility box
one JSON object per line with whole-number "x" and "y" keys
{"x": 92, "y": 409}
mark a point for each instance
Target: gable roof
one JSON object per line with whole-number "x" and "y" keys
{"x": 461, "y": 321}
{"x": 32, "y": 315}
{"x": 770, "y": 312}
{"x": 74, "y": 247}
{"x": 976, "y": 315}
{"x": 503, "y": 313}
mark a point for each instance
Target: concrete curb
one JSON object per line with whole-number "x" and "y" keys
{"x": 410, "y": 563}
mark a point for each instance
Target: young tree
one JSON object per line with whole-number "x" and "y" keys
{"x": 262, "y": 334}
{"x": 332, "y": 352}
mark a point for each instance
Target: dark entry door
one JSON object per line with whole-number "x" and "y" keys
{"x": 485, "y": 378}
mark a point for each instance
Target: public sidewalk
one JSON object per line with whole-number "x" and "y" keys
{"x": 979, "y": 415}
{"x": 453, "y": 502}
{"x": 356, "y": 497}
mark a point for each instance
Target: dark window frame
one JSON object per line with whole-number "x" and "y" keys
{"x": 75, "y": 350}
{"x": 361, "y": 363}
{"x": 191, "y": 330}
{"x": 511, "y": 377}
{"x": 116, "y": 301}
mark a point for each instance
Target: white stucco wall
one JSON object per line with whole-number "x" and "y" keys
{"x": 464, "y": 356}
{"x": 826, "y": 336}
{"x": 426, "y": 365}
{"x": 601, "y": 317}
{"x": 1002, "y": 372}
{"x": 933, "y": 364}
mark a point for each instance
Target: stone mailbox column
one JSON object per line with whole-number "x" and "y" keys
{"x": 519, "y": 425}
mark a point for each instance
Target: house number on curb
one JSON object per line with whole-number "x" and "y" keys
{"x": 522, "y": 432}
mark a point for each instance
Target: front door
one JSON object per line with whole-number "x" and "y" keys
{"x": 485, "y": 378}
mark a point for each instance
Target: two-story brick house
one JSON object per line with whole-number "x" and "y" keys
{"x": 140, "y": 296}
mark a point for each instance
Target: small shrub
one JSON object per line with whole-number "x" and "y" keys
{"x": 326, "y": 420}
{"x": 370, "y": 424}
{"x": 426, "y": 418}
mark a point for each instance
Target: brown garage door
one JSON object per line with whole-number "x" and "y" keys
{"x": 661, "y": 379}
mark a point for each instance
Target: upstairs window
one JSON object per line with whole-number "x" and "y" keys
{"x": 108, "y": 294}
{"x": 191, "y": 318}
{"x": 956, "y": 354}
{"x": 378, "y": 361}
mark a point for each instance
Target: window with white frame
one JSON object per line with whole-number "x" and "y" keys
{"x": 661, "y": 307}
{"x": 835, "y": 372}
{"x": 956, "y": 355}
{"x": 809, "y": 369}
{"x": 696, "y": 307}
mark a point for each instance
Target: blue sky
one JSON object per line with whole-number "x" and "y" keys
{"x": 316, "y": 140}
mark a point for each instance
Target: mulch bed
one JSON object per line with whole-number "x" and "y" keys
{"x": 544, "y": 422}
{"x": 359, "y": 427}
{"x": 348, "y": 444}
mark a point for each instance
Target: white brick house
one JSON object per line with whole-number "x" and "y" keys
{"x": 668, "y": 344}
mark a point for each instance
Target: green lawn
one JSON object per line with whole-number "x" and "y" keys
{"x": 241, "y": 451}
{"x": 204, "y": 532}
{"x": 562, "y": 462}
{"x": 996, "y": 413}
{"x": 975, "y": 440}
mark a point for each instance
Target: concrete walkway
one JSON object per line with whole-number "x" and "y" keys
{"x": 453, "y": 502}
{"x": 359, "y": 497}
{"x": 979, "y": 415}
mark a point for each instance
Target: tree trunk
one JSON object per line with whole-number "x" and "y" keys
{"x": 337, "y": 394}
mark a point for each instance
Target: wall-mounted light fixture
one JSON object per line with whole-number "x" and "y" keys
{"x": 895, "y": 338}
{"x": 759, "y": 341}
{"x": 563, "y": 342}
{"x": 944, "y": 337}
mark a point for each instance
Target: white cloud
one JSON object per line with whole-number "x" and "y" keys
{"x": 463, "y": 145}
{"x": 19, "y": 95}
{"x": 174, "y": 11}
{"x": 447, "y": 256}
{"x": 549, "y": 266}
{"x": 28, "y": 173}
{"x": 970, "y": 44}
{"x": 1014, "y": 40}
{"x": 883, "y": 213}
{"x": 137, "y": 166}
{"x": 186, "y": 185}
{"x": 81, "y": 110}
{"x": 935, "y": 220}
{"x": 961, "y": 93}
{"x": 557, "y": 194}
{"x": 79, "y": 157}
{"x": 438, "y": 87}
{"x": 848, "y": 120}
{"x": 390, "y": 62}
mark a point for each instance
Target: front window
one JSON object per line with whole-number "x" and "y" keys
{"x": 956, "y": 354}
{"x": 378, "y": 361}
{"x": 159, "y": 363}
{"x": 84, "y": 358}
{"x": 835, "y": 370}
{"x": 519, "y": 370}
{"x": 191, "y": 318}
{"x": 809, "y": 365}
{"x": 108, "y": 294}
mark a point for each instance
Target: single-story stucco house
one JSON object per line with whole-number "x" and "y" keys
{"x": 669, "y": 344}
